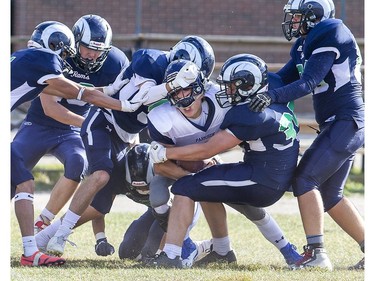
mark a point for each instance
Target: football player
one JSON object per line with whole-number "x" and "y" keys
{"x": 104, "y": 128}
{"x": 194, "y": 115}
{"x": 325, "y": 61}
{"x": 52, "y": 124}
{"x": 131, "y": 176}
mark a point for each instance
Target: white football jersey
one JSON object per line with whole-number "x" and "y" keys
{"x": 172, "y": 124}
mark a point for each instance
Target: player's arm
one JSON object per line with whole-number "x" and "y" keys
{"x": 65, "y": 88}
{"x": 102, "y": 247}
{"x": 220, "y": 142}
{"x": 58, "y": 112}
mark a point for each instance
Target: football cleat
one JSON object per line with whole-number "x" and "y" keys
{"x": 56, "y": 245}
{"x": 358, "y": 266}
{"x": 290, "y": 254}
{"x": 203, "y": 249}
{"x": 163, "y": 261}
{"x": 40, "y": 259}
{"x": 40, "y": 224}
{"x": 214, "y": 257}
{"x": 313, "y": 257}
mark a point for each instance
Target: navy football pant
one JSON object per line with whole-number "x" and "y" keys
{"x": 327, "y": 162}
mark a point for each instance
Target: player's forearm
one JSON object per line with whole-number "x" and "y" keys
{"x": 170, "y": 170}
{"x": 98, "y": 98}
{"x": 191, "y": 152}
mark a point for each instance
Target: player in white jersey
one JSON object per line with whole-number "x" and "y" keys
{"x": 194, "y": 116}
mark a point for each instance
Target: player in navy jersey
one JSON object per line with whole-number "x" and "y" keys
{"x": 325, "y": 61}
{"x": 52, "y": 124}
{"x": 132, "y": 174}
{"x": 104, "y": 128}
{"x": 258, "y": 182}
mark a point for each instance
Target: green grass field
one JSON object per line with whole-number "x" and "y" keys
{"x": 257, "y": 258}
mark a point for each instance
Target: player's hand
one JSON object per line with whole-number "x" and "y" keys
{"x": 187, "y": 75}
{"x": 103, "y": 248}
{"x": 158, "y": 152}
{"x": 134, "y": 103}
{"x": 260, "y": 102}
{"x": 116, "y": 86}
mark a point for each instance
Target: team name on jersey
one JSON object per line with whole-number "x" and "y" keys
{"x": 80, "y": 76}
{"x": 204, "y": 138}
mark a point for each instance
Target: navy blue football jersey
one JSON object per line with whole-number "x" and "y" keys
{"x": 112, "y": 66}
{"x": 270, "y": 141}
{"x": 30, "y": 68}
{"x": 339, "y": 95}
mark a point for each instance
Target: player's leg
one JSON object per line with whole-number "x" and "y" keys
{"x": 22, "y": 184}
{"x": 222, "y": 251}
{"x": 72, "y": 154}
{"x": 180, "y": 217}
{"x": 342, "y": 210}
{"x": 139, "y": 241}
{"x": 97, "y": 140}
{"x": 270, "y": 230}
{"x": 159, "y": 199}
{"x": 335, "y": 144}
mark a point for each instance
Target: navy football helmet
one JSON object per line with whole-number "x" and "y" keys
{"x": 94, "y": 33}
{"x": 54, "y": 36}
{"x": 241, "y": 77}
{"x": 311, "y": 11}
{"x": 197, "y": 87}
{"x": 139, "y": 168}
{"x": 197, "y": 50}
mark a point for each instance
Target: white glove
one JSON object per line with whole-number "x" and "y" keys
{"x": 116, "y": 86}
{"x": 187, "y": 75}
{"x": 158, "y": 153}
{"x": 134, "y": 103}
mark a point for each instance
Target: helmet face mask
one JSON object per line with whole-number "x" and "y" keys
{"x": 92, "y": 32}
{"x": 175, "y": 96}
{"x": 241, "y": 77}
{"x": 54, "y": 36}
{"x": 197, "y": 50}
{"x": 139, "y": 168}
{"x": 309, "y": 12}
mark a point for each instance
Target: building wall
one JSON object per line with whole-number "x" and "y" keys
{"x": 235, "y": 18}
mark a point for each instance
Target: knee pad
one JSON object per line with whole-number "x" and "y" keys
{"x": 329, "y": 201}
{"x": 75, "y": 167}
{"x": 24, "y": 196}
{"x": 250, "y": 212}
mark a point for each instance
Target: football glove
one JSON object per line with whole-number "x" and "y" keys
{"x": 158, "y": 153}
{"x": 103, "y": 248}
{"x": 260, "y": 102}
{"x": 134, "y": 103}
{"x": 116, "y": 86}
{"x": 187, "y": 75}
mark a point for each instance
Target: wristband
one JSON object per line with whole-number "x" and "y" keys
{"x": 80, "y": 93}
{"x": 100, "y": 235}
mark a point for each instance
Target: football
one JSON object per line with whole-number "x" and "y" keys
{"x": 192, "y": 166}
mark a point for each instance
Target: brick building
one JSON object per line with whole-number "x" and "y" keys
{"x": 252, "y": 25}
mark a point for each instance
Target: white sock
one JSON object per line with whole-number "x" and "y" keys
{"x": 69, "y": 221}
{"x": 46, "y": 234}
{"x": 271, "y": 231}
{"x": 47, "y": 214}
{"x": 29, "y": 245}
{"x": 221, "y": 245}
{"x": 172, "y": 251}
